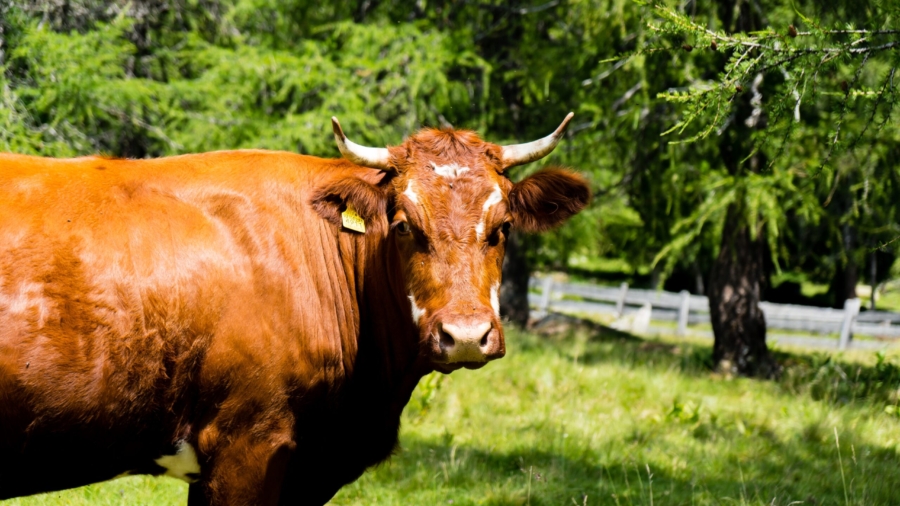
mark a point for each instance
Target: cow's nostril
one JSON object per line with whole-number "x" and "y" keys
{"x": 445, "y": 338}
{"x": 484, "y": 338}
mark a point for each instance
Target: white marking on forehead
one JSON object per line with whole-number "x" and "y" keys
{"x": 448, "y": 171}
{"x": 183, "y": 465}
{"x": 417, "y": 312}
{"x": 495, "y": 298}
{"x": 493, "y": 199}
{"x": 411, "y": 193}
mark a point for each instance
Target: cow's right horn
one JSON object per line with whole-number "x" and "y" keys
{"x": 376, "y": 158}
{"x": 517, "y": 154}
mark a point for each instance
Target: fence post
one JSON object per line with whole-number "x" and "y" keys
{"x": 545, "y": 294}
{"x": 683, "y": 312}
{"x": 620, "y": 302}
{"x": 641, "y": 322}
{"x": 851, "y": 310}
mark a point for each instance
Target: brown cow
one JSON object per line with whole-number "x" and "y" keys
{"x": 208, "y": 317}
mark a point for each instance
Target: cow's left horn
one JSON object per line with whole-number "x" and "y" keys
{"x": 517, "y": 154}
{"x": 376, "y": 158}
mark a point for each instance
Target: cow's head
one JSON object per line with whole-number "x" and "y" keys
{"x": 450, "y": 207}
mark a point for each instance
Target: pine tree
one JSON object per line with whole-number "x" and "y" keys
{"x": 795, "y": 110}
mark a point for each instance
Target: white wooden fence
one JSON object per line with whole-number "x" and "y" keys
{"x": 687, "y": 309}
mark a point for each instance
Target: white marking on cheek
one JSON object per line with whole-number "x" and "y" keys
{"x": 183, "y": 464}
{"x": 495, "y": 298}
{"x": 417, "y": 312}
{"x": 493, "y": 199}
{"x": 411, "y": 193}
{"x": 448, "y": 171}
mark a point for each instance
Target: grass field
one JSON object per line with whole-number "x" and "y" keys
{"x": 597, "y": 417}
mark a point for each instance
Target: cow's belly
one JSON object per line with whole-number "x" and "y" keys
{"x": 89, "y": 415}
{"x": 62, "y": 461}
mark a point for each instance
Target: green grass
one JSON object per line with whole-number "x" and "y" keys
{"x": 601, "y": 265}
{"x": 130, "y": 491}
{"x": 598, "y": 417}
{"x": 887, "y": 301}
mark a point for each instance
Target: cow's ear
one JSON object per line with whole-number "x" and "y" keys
{"x": 332, "y": 198}
{"x": 547, "y": 198}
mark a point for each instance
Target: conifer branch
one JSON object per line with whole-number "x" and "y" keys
{"x": 888, "y": 79}
{"x": 840, "y": 122}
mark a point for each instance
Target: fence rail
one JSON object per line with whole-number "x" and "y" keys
{"x": 687, "y": 309}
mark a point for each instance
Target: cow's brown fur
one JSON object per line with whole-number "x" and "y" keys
{"x": 215, "y": 299}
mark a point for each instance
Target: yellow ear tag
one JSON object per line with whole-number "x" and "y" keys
{"x": 353, "y": 221}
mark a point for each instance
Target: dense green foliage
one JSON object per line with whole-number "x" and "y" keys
{"x": 604, "y": 418}
{"x": 142, "y": 87}
{"x": 820, "y": 176}
{"x": 150, "y": 78}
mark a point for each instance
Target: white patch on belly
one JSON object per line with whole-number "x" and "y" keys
{"x": 416, "y": 311}
{"x": 495, "y": 298}
{"x": 451, "y": 171}
{"x": 493, "y": 199}
{"x": 182, "y": 464}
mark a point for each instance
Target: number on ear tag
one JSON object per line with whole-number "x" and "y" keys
{"x": 353, "y": 221}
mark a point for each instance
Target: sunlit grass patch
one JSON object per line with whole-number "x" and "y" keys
{"x": 132, "y": 490}
{"x": 587, "y": 421}
{"x": 887, "y": 301}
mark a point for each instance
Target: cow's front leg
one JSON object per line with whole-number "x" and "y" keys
{"x": 244, "y": 470}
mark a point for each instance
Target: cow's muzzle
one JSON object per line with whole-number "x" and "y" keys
{"x": 467, "y": 342}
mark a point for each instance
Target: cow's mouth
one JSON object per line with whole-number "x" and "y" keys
{"x": 447, "y": 368}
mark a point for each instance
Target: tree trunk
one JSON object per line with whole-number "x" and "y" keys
{"x": 846, "y": 275}
{"x": 699, "y": 287}
{"x": 514, "y": 289}
{"x": 738, "y": 275}
{"x": 873, "y": 278}
{"x": 846, "y": 280}
{"x": 735, "y": 285}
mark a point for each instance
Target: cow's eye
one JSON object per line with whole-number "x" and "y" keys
{"x": 502, "y": 230}
{"x": 403, "y": 228}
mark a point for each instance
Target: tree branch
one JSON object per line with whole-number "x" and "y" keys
{"x": 840, "y": 122}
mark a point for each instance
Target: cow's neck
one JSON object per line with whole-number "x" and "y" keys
{"x": 388, "y": 343}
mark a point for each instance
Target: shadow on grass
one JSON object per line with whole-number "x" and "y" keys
{"x": 805, "y": 470}
{"x": 605, "y": 344}
{"x": 823, "y": 376}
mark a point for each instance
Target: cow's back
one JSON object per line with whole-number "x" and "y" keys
{"x": 135, "y": 295}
